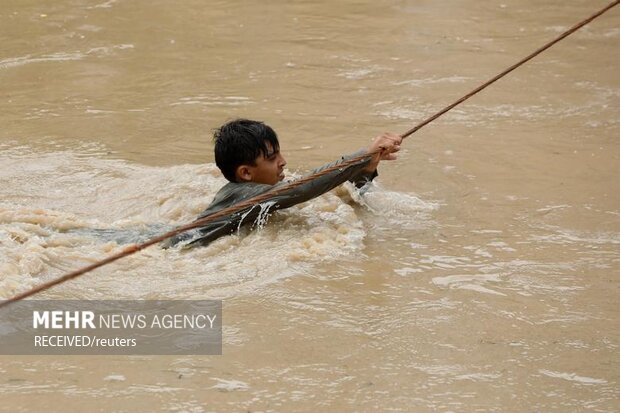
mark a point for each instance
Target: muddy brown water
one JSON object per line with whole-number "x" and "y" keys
{"x": 480, "y": 273}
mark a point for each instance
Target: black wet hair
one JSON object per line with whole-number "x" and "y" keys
{"x": 240, "y": 142}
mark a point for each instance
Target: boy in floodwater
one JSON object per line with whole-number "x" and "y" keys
{"x": 248, "y": 154}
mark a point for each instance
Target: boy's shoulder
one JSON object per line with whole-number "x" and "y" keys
{"x": 232, "y": 193}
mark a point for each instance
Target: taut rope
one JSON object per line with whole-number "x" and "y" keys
{"x": 267, "y": 195}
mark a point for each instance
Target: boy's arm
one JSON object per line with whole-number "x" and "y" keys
{"x": 388, "y": 141}
{"x": 359, "y": 173}
{"x": 355, "y": 173}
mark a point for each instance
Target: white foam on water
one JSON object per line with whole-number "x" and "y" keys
{"x": 567, "y": 236}
{"x": 432, "y": 80}
{"x": 398, "y": 208}
{"x": 230, "y": 385}
{"x": 469, "y": 282}
{"x": 479, "y": 376}
{"x": 405, "y": 271}
{"x": 478, "y": 288}
{"x": 114, "y": 377}
{"x": 572, "y": 377}
{"x": 214, "y": 101}
{"x": 104, "y": 5}
{"x": 61, "y": 56}
{"x": 54, "y": 57}
{"x": 359, "y": 73}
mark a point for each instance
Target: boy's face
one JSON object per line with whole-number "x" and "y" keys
{"x": 269, "y": 168}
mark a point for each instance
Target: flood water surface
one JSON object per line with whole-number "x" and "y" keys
{"x": 479, "y": 273}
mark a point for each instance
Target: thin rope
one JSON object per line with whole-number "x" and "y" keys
{"x": 132, "y": 249}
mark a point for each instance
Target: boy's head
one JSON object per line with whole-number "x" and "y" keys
{"x": 248, "y": 151}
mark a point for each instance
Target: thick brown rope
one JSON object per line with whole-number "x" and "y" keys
{"x": 132, "y": 249}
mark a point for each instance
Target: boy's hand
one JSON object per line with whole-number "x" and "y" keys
{"x": 390, "y": 143}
